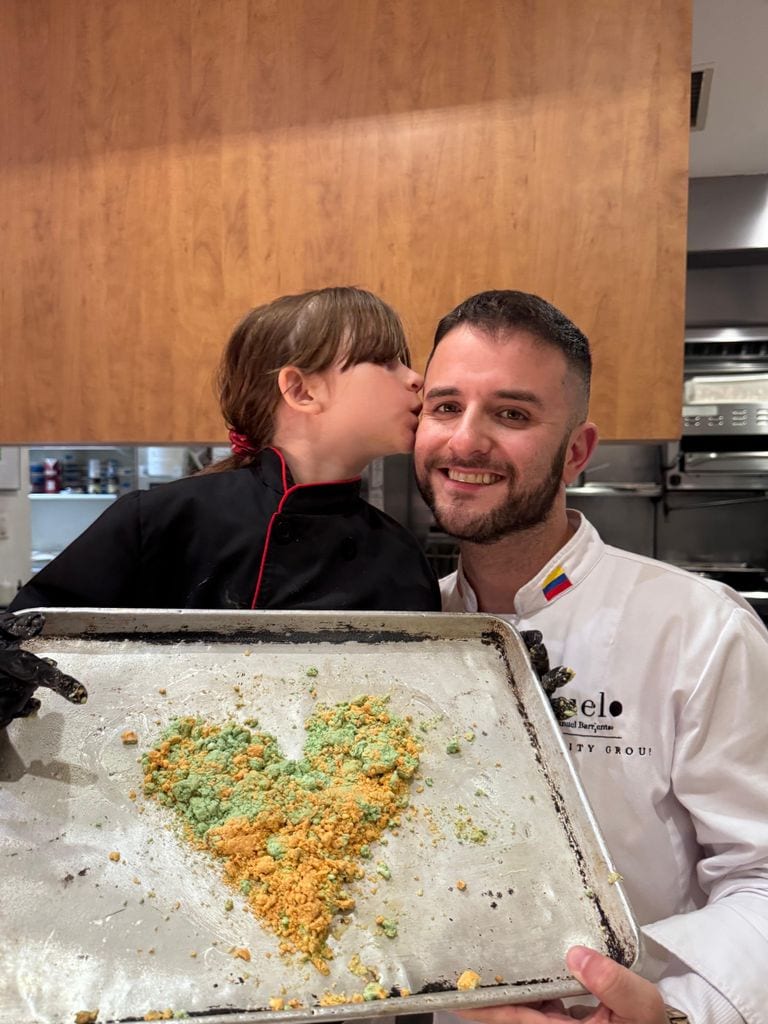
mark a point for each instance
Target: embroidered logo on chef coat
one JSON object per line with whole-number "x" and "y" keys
{"x": 555, "y": 583}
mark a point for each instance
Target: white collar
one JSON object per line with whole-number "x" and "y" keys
{"x": 562, "y": 573}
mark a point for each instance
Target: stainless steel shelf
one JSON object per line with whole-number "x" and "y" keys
{"x": 616, "y": 490}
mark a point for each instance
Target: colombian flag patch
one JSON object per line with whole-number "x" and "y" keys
{"x": 555, "y": 583}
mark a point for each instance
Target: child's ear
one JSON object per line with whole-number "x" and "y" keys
{"x": 303, "y": 392}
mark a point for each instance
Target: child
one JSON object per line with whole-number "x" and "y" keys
{"x": 313, "y": 387}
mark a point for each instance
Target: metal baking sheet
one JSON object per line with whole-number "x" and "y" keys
{"x": 152, "y": 932}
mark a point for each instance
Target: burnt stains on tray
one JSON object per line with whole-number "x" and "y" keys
{"x": 504, "y": 814}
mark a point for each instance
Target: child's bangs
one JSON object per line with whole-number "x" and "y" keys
{"x": 374, "y": 334}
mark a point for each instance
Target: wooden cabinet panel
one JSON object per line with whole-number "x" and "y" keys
{"x": 164, "y": 167}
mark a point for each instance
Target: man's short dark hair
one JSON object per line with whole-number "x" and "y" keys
{"x": 502, "y": 311}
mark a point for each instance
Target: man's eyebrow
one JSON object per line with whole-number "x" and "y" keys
{"x": 442, "y": 392}
{"x": 508, "y": 395}
{"x": 519, "y": 396}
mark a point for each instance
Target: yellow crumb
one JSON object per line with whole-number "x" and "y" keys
{"x": 131, "y": 794}
{"x": 86, "y": 1016}
{"x": 276, "y": 1003}
{"x": 129, "y": 738}
{"x": 468, "y": 980}
{"x": 115, "y": 856}
{"x": 615, "y": 877}
{"x": 461, "y": 885}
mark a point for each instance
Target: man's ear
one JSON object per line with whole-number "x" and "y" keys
{"x": 303, "y": 392}
{"x": 582, "y": 443}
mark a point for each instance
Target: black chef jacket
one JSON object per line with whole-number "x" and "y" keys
{"x": 242, "y": 538}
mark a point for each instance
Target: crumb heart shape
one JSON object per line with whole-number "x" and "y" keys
{"x": 291, "y": 834}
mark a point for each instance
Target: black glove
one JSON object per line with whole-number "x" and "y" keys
{"x": 551, "y": 679}
{"x": 21, "y": 672}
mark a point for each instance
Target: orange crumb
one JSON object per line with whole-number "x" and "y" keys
{"x": 241, "y": 952}
{"x": 461, "y": 885}
{"x": 115, "y": 856}
{"x": 276, "y": 1003}
{"x": 129, "y": 738}
{"x": 468, "y": 980}
{"x": 86, "y": 1016}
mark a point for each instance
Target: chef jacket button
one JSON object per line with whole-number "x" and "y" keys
{"x": 282, "y": 532}
{"x": 348, "y": 549}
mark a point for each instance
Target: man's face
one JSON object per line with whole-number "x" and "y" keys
{"x": 493, "y": 446}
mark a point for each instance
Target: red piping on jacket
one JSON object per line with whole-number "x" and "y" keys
{"x": 287, "y": 492}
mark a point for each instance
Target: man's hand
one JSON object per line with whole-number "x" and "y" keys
{"x": 625, "y": 998}
{"x": 21, "y": 672}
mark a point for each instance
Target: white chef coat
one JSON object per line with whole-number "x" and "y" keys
{"x": 671, "y": 744}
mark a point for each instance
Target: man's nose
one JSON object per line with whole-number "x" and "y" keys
{"x": 468, "y": 437}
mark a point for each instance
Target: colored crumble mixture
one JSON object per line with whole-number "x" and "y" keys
{"x": 290, "y": 834}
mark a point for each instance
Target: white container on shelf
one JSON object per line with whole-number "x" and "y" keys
{"x": 166, "y": 462}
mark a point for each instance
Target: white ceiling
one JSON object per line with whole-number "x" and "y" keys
{"x": 732, "y": 35}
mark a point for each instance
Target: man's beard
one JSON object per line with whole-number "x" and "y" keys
{"x": 521, "y": 510}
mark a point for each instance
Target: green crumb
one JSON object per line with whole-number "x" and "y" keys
{"x": 373, "y": 990}
{"x": 469, "y": 736}
{"x": 229, "y": 905}
{"x": 275, "y": 848}
{"x": 245, "y": 887}
{"x": 467, "y": 832}
{"x": 388, "y": 925}
{"x": 383, "y": 870}
{"x": 429, "y": 782}
{"x": 365, "y": 851}
{"x": 312, "y": 672}
{"x": 453, "y": 746}
{"x": 480, "y": 792}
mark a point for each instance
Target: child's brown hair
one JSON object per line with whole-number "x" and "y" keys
{"x": 311, "y": 331}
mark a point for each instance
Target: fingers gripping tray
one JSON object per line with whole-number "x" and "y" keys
{"x": 290, "y": 816}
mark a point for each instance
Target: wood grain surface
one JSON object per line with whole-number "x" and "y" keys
{"x": 166, "y": 166}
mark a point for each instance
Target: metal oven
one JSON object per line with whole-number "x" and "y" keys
{"x": 715, "y": 505}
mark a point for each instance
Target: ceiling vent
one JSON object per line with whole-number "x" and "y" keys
{"x": 701, "y": 81}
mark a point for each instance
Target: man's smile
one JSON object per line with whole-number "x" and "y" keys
{"x": 465, "y": 476}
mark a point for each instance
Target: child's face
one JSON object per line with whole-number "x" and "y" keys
{"x": 375, "y": 408}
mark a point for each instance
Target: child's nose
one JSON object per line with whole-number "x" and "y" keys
{"x": 416, "y": 382}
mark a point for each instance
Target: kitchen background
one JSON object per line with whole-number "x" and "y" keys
{"x": 701, "y": 502}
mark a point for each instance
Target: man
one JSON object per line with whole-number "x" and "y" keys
{"x": 673, "y": 668}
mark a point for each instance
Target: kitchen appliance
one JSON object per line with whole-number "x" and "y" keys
{"x": 714, "y": 512}
{"x": 724, "y": 442}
